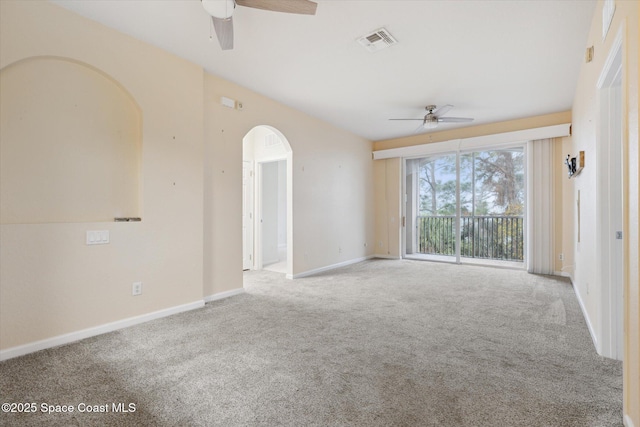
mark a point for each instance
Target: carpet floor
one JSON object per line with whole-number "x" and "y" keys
{"x": 379, "y": 343}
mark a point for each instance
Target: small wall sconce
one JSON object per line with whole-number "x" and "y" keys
{"x": 575, "y": 165}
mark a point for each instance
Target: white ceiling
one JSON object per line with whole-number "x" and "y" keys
{"x": 493, "y": 60}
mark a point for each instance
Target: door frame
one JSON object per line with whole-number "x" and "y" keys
{"x": 611, "y": 202}
{"x": 453, "y": 147}
{"x": 287, "y": 155}
{"x": 248, "y": 209}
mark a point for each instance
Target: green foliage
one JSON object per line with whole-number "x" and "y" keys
{"x": 491, "y": 204}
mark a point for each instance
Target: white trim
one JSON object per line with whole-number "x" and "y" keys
{"x": 331, "y": 267}
{"x": 616, "y": 48}
{"x": 585, "y": 315}
{"x": 610, "y": 201}
{"x": 476, "y": 142}
{"x": 21, "y": 350}
{"x": 627, "y": 421}
{"x": 417, "y": 151}
{"x": 223, "y": 295}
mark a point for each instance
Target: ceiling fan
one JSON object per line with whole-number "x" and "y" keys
{"x": 221, "y": 12}
{"x": 433, "y": 117}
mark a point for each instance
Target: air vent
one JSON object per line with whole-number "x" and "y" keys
{"x": 377, "y": 40}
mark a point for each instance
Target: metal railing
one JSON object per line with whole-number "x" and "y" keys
{"x": 486, "y": 237}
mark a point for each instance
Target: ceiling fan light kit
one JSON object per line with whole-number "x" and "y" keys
{"x": 221, "y": 9}
{"x": 430, "y": 123}
{"x": 221, "y": 12}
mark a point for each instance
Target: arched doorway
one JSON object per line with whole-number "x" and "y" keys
{"x": 267, "y": 206}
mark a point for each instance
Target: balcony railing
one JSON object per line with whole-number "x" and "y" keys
{"x": 486, "y": 237}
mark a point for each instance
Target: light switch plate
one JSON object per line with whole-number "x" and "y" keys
{"x": 98, "y": 237}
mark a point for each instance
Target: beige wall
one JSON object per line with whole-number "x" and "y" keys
{"x": 585, "y": 131}
{"x": 188, "y": 244}
{"x": 51, "y": 282}
{"x": 564, "y": 208}
{"x": 332, "y": 177}
{"x": 61, "y": 120}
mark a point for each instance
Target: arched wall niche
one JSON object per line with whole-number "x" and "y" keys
{"x": 70, "y": 144}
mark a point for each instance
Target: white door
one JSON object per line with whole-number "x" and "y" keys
{"x": 247, "y": 215}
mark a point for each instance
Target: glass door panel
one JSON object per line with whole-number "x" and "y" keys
{"x": 489, "y": 189}
{"x": 431, "y": 184}
{"x": 492, "y": 220}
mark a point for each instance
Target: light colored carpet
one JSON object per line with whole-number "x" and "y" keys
{"x": 379, "y": 343}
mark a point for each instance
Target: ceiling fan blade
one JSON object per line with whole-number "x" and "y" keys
{"x": 420, "y": 129}
{"x": 422, "y": 120}
{"x": 302, "y": 7}
{"x": 454, "y": 119}
{"x": 443, "y": 110}
{"x": 224, "y": 31}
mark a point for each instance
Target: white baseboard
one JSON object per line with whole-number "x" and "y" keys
{"x": 21, "y": 350}
{"x": 223, "y": 295}
{"x": 592, "y": 332}
{"x": 627, "y": 421}
{"x": 330, "y": 267}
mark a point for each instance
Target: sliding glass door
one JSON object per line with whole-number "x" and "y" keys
{"x": 432, "y": 200}
{"x": 466, "y": 207}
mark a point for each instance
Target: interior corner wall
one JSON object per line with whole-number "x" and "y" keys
{"x": 564, "y": 209}
{"x": 51, "y": 282}
{"x": 332, "y": 186}
{"x": 585, "y": 136}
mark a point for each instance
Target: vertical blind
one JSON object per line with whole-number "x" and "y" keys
{"x": 540, "y": 247}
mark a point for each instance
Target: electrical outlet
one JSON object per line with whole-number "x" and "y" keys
{"x": 561, "y": 257}
{"x": 136, "y": 288}
{"x": 339, "y": 249}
